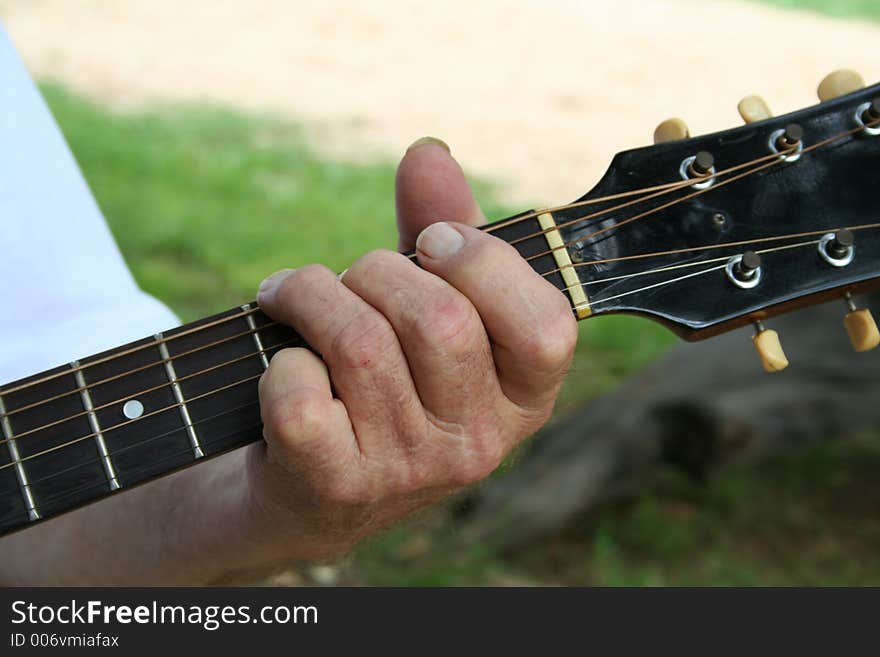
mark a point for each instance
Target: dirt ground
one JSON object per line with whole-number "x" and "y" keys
{"x": 537, "y": 94}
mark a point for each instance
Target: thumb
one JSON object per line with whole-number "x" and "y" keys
{"x": 431, "y": 187}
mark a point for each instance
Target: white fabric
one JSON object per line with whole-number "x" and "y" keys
{"x": 66, "y": 291}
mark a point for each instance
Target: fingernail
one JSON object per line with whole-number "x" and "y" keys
{"x": 439, "y": 240}
{"x": 424, "y": 141}
{"x": 270, "y": 285}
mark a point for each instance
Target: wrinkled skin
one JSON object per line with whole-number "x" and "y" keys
{"x": 429, "y": 377}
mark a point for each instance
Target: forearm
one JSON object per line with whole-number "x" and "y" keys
{"x": 191, "y": 527}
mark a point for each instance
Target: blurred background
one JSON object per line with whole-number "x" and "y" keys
{"x": 227, "y": 139}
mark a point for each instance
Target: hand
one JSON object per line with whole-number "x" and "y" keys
{"x": 428, "y": 378}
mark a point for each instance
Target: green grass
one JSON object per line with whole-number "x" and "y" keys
{"x": 869, "y": 9}
{"x": 205, "y": 201}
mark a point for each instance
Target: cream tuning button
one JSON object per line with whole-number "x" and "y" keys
{"x": 860, "y": 326}
{"x": 753, "y": 109}
{"x": 769, "y": 348}
{"x": 839, "y": 83}
{"x": 671, "y": 130}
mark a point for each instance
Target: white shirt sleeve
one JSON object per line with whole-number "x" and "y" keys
{"x": 65, "y": 290}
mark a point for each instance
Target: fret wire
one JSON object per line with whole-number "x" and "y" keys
{"x": 121, "y": 424}
{"x": 256, "y": 334}
{"x": 178, "y": 395}
{"x": 135, "y": 370}
{"x": 86, "y": 398}
{"x": 63, "y": 494}
{"x": 145, "y": 390}
{"x": 140, "y": 443}
{"x": 132, "y": 350}
{"x": 20, "y": 474}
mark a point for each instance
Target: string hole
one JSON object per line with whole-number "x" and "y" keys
{"x": 719, "y": 220}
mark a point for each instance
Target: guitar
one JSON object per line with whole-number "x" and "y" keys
{"x": 704, "y": 234}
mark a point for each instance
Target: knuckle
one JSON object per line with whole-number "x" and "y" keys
{"x": 284, "y": 359}
{"x": 479, "y": 463}
{"x": 303, "y": 281}
{"x": 448, "y": 322}
{"x": 313, "y": 277}
{"x": 550, "y": 347}
{"x": 374, "y": 262}
{"x": 295, "y": 417}
{"x": 363, "y": 341}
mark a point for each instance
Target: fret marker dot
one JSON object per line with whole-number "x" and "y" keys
{"x": 132, "y": 409}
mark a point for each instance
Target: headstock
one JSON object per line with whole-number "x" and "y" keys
{"x": 734, "y": 227}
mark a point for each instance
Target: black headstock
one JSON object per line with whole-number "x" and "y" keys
{"x": 667, "y": 252}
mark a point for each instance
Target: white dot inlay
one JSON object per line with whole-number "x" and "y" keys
{"x": 132, "y": 409}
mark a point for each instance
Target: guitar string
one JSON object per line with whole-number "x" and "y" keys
{"x": 658, "y": 190}
{"x": 141, "y": 443}
{"x": 167, "y": 384}
{"x": 707, "y": 247}
{"x": 127, "y": 422}
{"x": 154, "y": 343}
{"x": 684, "y": 265}
{"x": 19, "y": 436}
{"x": 489, "y": 228}
{"x": 166, "y": 339}
{"x": 675, "y": 280}
{"x": 78, "y": 389}
{"x": 778, "y": 158}
{"x": 68, "y": 371}
{"x": 61, "y": 495}
{"x": 153, "y": 438}
{"x": 775, "y": 159}
{"x": 94, "y": 384}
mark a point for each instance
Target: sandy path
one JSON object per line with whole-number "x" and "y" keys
{"x": 537, "y": 94}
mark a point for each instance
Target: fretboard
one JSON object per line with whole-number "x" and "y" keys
{"x": 105, "y": 423}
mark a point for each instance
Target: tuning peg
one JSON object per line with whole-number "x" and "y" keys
{"x": 753, "y": 109}
{"x": 860, "y": 326}
{"x": 839, "y": 83}
{"x": 769, "y": 348}
{"x": 671, "y": 130}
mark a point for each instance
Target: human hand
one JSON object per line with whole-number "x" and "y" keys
{"x": 428, "y": 378}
